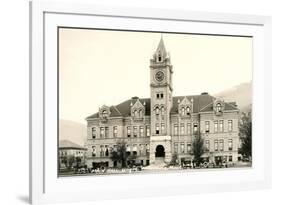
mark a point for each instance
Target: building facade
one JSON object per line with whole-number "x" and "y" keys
{"x": 155, "y": 128}
{"x": 71, "y": 154}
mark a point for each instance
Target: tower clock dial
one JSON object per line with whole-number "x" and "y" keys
{"x": 159, "y": 76}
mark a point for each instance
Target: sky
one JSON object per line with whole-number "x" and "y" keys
{"x": 103, "y": 67}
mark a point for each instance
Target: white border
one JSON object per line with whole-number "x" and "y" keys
{"x": 46, "y": 187}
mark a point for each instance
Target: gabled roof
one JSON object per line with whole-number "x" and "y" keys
{"x": 66, "y": 144}
{"x": 201, "y": 103}
{"x": 124, "y": 109}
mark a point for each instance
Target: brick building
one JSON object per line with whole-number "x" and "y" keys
{"x": 157, "y": 127}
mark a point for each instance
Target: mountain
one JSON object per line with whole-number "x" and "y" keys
{"x": 241, "y": 94}
{"x": 73, "y": 131}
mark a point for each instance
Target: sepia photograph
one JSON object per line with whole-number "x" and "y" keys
{"x": 153, "y": 102}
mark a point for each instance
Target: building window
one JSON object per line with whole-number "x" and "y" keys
{"x": 141, "y": 149}
{"x": 162, "y": 111}
{"x": 147, "y": 148}
{"x": 230, "y": 144}
{"x": 162, "y": 95}
{"x": 230, "y": 158}
{"x": 140, "y": 113}
{"x": 101, "y": 151}
{"x": 221, "y": 126}
{"x": 93, "y": 151}
{"x": 115, "y": 131}
{"x": 216, "y": 126}
{"x": 128, "y": 131}
{"x": 207, "y": 126}
{"x": 141, "y": 131}
{"x": 104, "y": 113}
{"x": 135, "y": 150}
{"x": 157, "y": 95}
{"x": 189, "y": 128}
{"x": 106, "y": 132}
{"x": 128, "y": 149}
{"x": 207, "y": 142}
{"x": 221, "y": 145}
{"x": 159, "y": 57}
{"x": 135, "y": 113}
{"x": 176, "y": 129}
{"x": 106, "y": 151}
{"x": 157, "y": 110}
{"x": 195, "y": 128}
{"x": 157, "y": 131}
{"x": 216, "y": 145}
{"x": 188, "y": 110}
{"x": 176, "y": 147}
{"x": 93, "y": 132}
{"x": 162, "y": 128}
{"x": 182, "y": 147}
{"x": 218, "y": 107}
{"x": 135, "y": 131}
{"x": 183, "y": 111}
{"x": 188, "y": 147}
{"x": 102, "y": 132}
{"x": 148, "y": 131}
{"x": 230, "y": 126}
{"x": 182, "y": 129}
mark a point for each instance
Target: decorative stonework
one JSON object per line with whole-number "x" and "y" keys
{"x": 218, "y": 106}
{"x": 185, "y": 107}
{"x": 138, "y": 110}
{"x": 104, "y": 113}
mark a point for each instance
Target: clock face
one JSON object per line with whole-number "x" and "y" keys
{"x": 159, "y": 76}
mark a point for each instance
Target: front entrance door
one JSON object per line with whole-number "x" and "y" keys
{"x": 160, "y": 151}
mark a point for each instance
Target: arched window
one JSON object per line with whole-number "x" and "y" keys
{"x": 159, "y": 57}
{"x": 135, "y": 113}
{"x": 104, "y": 113}
{"x": 188, "y": 110}
{"x": 162, "y": 111}
{"x": 157, "y": 110}
{"x": 182, "y": 111}
{"x": 140, "y": 113}
{"x": 218, "y": 107}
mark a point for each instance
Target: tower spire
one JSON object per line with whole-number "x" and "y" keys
{"x": 161, "y": 48}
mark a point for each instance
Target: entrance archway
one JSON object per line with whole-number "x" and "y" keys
{"x": 160, "y": 151}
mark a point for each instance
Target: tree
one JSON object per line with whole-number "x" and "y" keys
{"x": 71, "y": 160}
{"x": 198, "y": 147}
{"x": 78, "y": 161}
{"x": 64, "y": 161}
{"x": 120, "y": 154}
{"x": 245, "y": 134}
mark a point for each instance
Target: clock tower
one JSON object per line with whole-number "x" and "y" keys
{"x": 161, "y": 91}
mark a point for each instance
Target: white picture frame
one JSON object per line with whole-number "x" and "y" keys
{"x": 46, "y": 187}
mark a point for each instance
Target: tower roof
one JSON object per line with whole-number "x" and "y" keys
{"x": 161, "y": 48}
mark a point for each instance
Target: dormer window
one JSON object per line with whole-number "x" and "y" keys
{"x": 140, "y": 113}
{"x": 135, "y": 113}
{"x": 182, "y": 111}
{"x": 218, "y": 107}
{"x": 104, "y": 113}
{"x": 188, "y": 110}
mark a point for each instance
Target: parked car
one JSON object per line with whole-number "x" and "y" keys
{"x": 81, "y": 171}
{"x": 186, "y": 164}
